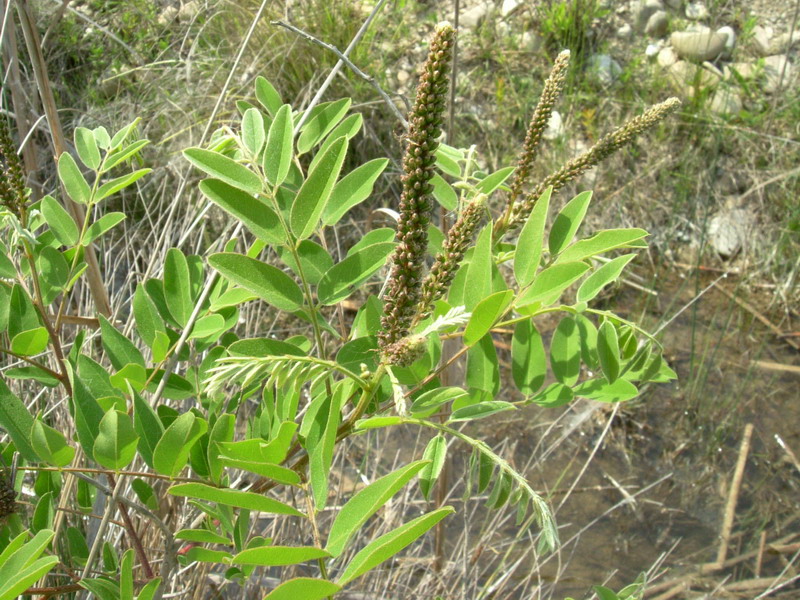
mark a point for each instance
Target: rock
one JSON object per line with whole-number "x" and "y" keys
{"x": 509, "y": 6}
{"x": 712, "y": 68}
{"x": 189, "y": 11}
{"x": 555, "y": 126}
{"x": 696, "y": 11}
{"x": 652, "y": 50}
{"x": 745, "y": 70}
{"x": 686, "y": 78}
{"x": 726, "y": 102}
{"x": 778, "y": 73}
{"x": 730, "y": 41}
{"x": 604, "y": 68}
{"x": 625, "y": 32}
{"x": 761, "y": 39}
{"x": 657, "y": 24}
{"x": 667, "y": 57}
{"x": 167, "y": 16}
{"x": 471, "y": 18}
{"x": 674, "y": 4}
{"x": 698, "y": 46}
{"x": 530, "y": 42}
{"x": 402, "y": 77}
{"x": 644, "y": 10}
{"x": 781, "y": 44}
{"x": 730, "y": 230}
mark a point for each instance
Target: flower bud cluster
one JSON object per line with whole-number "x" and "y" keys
{"x": 425, "y": 127}
{"x": 404, "y": 351}
{"x": 607, "y": 146}
{"x": 444, "y": 268}
{"x": 12, "y": 180}
{"x": 539, "y": 120}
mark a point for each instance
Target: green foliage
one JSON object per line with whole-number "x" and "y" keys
{"x": 177, "y": 392}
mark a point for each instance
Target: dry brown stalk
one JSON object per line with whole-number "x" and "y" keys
{"x": 733, "y": 495}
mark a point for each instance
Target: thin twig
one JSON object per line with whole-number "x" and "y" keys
{"x": 368, "y": 78}
{"x": 733, "y": 495}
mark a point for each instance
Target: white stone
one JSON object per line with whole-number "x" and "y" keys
{"x": 652, "y": 50}
{"x": 167, "y": 16}
{"x": 726, "y": 102}
{"x": 761, "y": 39}
{"x": 625, "y": 32}
{"x": 555, "y": 126}
{"x": 784, "y": 42}
{"x": 698, "y": 46}
{"x": 509, "y": 6}
{"x": 667, "y": 57}
{"x": 189, "y": 10}
{"x": 530, "y": 41}
{"x": 696, "y": 11}
{"x": 730, "y": 41}
{"x": 403, "y": 76}
{"x": 604, "y": 68}
{"x": 687, "y": 78}
{"x": 778, "y": 72}
{"x": 745, "y": 70}
{"x": 471, "y": 18}
{"x": 730, "y": 230}
{"x": 657, "y": 24}
{"x": 644, "y": 10}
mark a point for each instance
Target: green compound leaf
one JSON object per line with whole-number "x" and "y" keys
{"x": 224, "y": 168}
{"x": 30, "y": 342}
{"x": 436, "y": 453}
{"x": 386, "y": 546}
{"x": 278, "y": 556}
{"x": 608, "y": 350}
{"x": 480, "y": 410}
{"x": 603, "y": 391}
{"x": 366, "y": 503}
{"x": 343, "y": 278}
{"x": 267, "y": 95}
{"x": 119, "y": 183}
{"x": 551, "y": 282}
{"x": 606, "y": 274}
{"x": 236, "y": 498}
{"x": 51, "y": 445}
{"x": 353, "y": 188}
{"x": 177, "y": 286}
{"x": 73, "y": 180}
{"x": 278, "y": 152}
{"x": 253, "y": 131}
{"x": 565, "y": 352}
{"x": 86, "y": 145}
{"x": 601, "y": 242}
{"x": 528, "y": 358}
{"x": 259, "y": 218}
{"x": 305, "y": 588}
{"x": 61, "y": 223}
{"x": 269, "y": 283}
{"x": 115, "y": 446}
{"x": 531, "y": 239}
{"x": 325, "y": 117}
{"x": 172, "y": 451}
{"x": 316, "y": 190}
{"x": 568, "y": 221}
{"x": 485, "y": 315}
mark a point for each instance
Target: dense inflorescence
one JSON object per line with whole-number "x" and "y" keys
{"x": 12, "y": 180}
{"x": 405, "y": 280}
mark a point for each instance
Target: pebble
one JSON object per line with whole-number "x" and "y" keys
{"x": 403, "y": 76}
{"x": 605, "y": 68}
{"x": 167, "y": 16}
{"x": 778, "y": 72}
{"x": 687, "y": 77}
{"x": 729, "y": 230}
{"x": 625, "y": 32}
{"x": 696, "y": 11}
{"x": 530, "y": 41}
{"x": 674, "y": 4}
{"x": 189, "y": 10}
{"x": 555, "y": 126}
{"x": 745, "y": 70}
{"x": 726, "y": 102}
{"x": 698, "y": 46}
{"x": 784, "y": 42}
{"x": 509, "y": 6}
{"x": 730, "y": 41}
{"x": 667, "y": 57}
{"x": 761, "y": 39}
{"x": 471, "y": 18}
{"x": 652, "y": 50}
{"x": 657, "y": 24}
{"x": 644, "y": 10}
